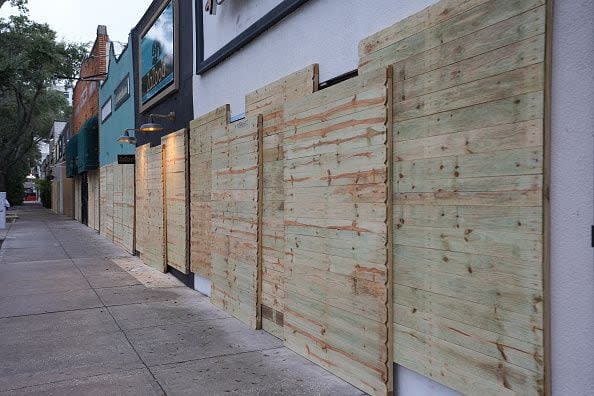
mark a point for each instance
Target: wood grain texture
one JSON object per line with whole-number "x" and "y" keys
{"x": 106, "y": 201}
{"x": 93, "y": 199}
{"x": 337, "y": 276}
{"x": 117, "y": 204}
{"x": 150, "y": 231}
{"x": 235, "y": 247}
{"x": 269, "y": 101}
{"x": 174, "y": 164}
{"x": 200, "y": 152}
{"x": 468, "y": 175}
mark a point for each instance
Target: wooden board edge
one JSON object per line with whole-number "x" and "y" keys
{"x": 315, "y": 77}
{"x": 188, "y": 199}
{"x": 390, "y": 232}
{"x": 134, "y": 211}
{"x": 210, "y": 116}
{"x": 164, "y": 203}
{"x": 260, "y": 216}
{"x": 546, "y": 220}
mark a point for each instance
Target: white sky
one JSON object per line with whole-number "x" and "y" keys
{"x": 77, "y": 20}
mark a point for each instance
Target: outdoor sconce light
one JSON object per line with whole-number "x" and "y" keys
{"x": 153, "y": 126}
{"x": 126, "y": 138}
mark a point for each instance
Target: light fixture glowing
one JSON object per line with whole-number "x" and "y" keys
{"x": 126, "y": 138}
{"x": 152, "y": 126}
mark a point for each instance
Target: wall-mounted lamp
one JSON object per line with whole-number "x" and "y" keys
{"x": 211, "y": 6}
{"x": 156, "y": 127}
{"x": 126, "y": 138}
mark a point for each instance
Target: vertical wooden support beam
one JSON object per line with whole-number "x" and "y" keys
{"x": 188, "y": 196}
{"x": 134, "y": 209}
{"x": 546, "y": 221}
{"x": 164, "y": 190}
{"x": 260, "y": 217}
{"x": 390, "y": 232}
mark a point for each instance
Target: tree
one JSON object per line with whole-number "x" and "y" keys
{"x": 20, "y": 4}
{"x": 28, "y": 105}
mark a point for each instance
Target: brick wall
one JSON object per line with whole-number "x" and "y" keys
{"x": 85, "y": 98}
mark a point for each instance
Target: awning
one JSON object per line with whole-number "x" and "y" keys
{"x": 71, "y": 154}
{"x": 88, "y": 146}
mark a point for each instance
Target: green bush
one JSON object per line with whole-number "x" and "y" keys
{"x": 15, "y": 191}
{"x": 44, "y": 189}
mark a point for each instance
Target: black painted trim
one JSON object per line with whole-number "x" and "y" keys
{"x": 244, "y": 38}
{"x": 186, "y": 279}
{"x": 199, "y": 24}
{"x": 338, "y": 79}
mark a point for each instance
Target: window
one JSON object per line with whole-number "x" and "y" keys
{"x": 106, "y": 110}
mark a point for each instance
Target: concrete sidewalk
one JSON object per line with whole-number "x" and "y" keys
{"x": 80, "y": 316}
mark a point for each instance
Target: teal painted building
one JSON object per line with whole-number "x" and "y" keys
{"x": 116, "y": 106}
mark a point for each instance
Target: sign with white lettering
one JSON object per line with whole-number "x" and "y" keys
{"x": 157, "y": 54}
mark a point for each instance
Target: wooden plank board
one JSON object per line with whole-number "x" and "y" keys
{"x": 174, "y": 171}
{"x": 235, "y": 219}
{"x": 93, "y": 199}
{"x": 269, "y": 101}
{"x": 338, "y": 270}
{"x": 468, "y": 175}
{"x": 106, "y": 201}
{"x": 462, "y": 24}
{"x": 200, "y": 158}
{"x": 117, "y": 204}
{"x": 150, "y": 237}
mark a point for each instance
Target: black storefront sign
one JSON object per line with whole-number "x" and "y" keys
{"x": 126, "y": 159}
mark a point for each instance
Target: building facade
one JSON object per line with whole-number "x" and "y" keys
{"x": 175, "y": 95}
{"x": 246, "y": 47}
{"x": 62, "y": 186}
{"x": 401, "y": 191}
{"x": 84, "y": 124}
{"x": 116, "y": 180}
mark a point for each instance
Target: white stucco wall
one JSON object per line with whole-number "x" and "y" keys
{"x": 328, "y": 31}
{"x": 321, "y": 31}
{"x": 232, "y": 18}
{"x": 572, "y": 198}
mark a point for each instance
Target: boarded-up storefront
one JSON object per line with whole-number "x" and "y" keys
{"x": 398, "y": 216}
{"x": 117, "y": 204}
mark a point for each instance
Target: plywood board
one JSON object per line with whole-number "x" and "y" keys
{"x": 200, "y": 156}
{"x": 235, "y": 220}
{"x": 106, "y": 201}
{"x": 77, "y": 198}
{"x": 93, "y": 199}
{"x": 469, "y": 285}
{"x": 337, "y": 309}
{"x": 176, "y": 204}
{"x": 123, "y": 205}
{"x": 117, "y": 204}
{"x": 150, "y": 236}
{"x": 268, "y": 101}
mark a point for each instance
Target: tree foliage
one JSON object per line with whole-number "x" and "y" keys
{"x": 28, "y": 105}
{"x": 20, "y": 4}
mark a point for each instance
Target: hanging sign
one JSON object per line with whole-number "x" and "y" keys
{"x": 157, "y": 69}
{"x": 126, "y": 159}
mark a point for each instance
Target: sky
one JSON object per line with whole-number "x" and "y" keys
{"x": 77, "y": 20}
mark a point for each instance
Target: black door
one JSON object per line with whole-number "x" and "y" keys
{"x": 84, "y": 199}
